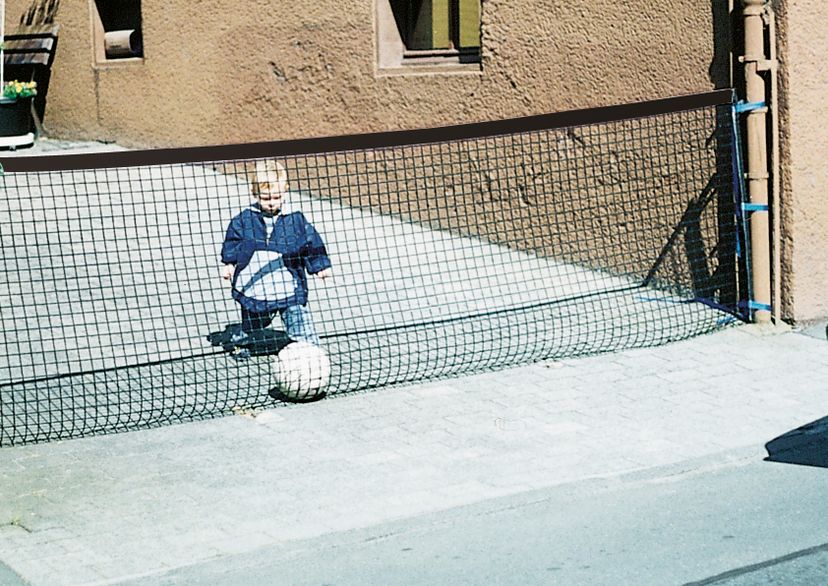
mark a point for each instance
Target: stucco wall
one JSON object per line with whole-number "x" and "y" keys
{"x": 804, "y": 78}
{"x": 646, "y": 198}
{"x": 216, "y": 72}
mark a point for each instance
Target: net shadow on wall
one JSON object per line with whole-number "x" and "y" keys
{"x": 692, "y": 263}
{"x": 118, "y": 30}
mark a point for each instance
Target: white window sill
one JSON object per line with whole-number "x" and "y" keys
{"x": 126, "y": 61}
{"x": 437, "y": 61}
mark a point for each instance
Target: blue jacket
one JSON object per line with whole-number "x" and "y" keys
{"x": 270, "y": 272}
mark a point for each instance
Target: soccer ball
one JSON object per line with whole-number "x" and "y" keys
{"x": 302, "y": 371}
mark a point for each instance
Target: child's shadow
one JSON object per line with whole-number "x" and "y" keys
{"x": 241, "y": 346}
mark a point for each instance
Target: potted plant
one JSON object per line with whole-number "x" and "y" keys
{"x": 16, "y": 96}
{"x": 16, "y": 108}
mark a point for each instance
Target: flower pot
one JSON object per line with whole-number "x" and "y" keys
{"x": 15, "y": 116}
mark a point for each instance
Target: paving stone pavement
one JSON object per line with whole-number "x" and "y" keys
{"x": 55, "y": 146}
{"x": 103, "y": 509}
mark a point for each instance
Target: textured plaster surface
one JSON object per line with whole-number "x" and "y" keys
{"x": 220, "y": 73}
{"x": 805, "y": 175}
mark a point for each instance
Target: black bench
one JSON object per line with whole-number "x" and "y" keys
{"x": 28, "y": 55}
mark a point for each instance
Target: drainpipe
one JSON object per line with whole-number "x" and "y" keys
{"x": 757, "y": 158}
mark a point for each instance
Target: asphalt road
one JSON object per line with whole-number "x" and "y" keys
{"x": 729, "y": 520}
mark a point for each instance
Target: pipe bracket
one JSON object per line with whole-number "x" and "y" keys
{"x": 766, "y": 65}
{"x": 758, "y": 57}
{"x": 750, "y": 106}
{"x": 755, "y": 207}
{"x": 754, "y": 10}
{"x": 759, "y": 306}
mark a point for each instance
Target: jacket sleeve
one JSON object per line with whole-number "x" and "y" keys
{"x": 315, "y": 256}
{"x": 232, "y": 240}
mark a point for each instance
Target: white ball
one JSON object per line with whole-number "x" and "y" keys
{"x": 302, "y": 370}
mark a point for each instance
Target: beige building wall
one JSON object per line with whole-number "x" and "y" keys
{"x": 217, "y": 73}
{"x": 803, "y": 44}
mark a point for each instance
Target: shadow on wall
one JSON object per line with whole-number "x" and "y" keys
{"x": 806, "y": 445}
{"x": 699, "y": 256}
{"x": 726, "y": 41}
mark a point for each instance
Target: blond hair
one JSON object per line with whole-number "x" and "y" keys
{"x": 267, "y": 171}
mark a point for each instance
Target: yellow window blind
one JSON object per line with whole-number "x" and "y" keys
{"x": 469, "y": 19}
{"x": 431, "y": 25}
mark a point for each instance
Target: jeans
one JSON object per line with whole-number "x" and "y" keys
{"x": 297, "y": 319}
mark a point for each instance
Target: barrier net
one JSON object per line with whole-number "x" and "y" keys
{"x": 452, "y": 250}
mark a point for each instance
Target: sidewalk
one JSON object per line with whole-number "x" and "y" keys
{"x": 102, "y": 509}
{"x": 55, "y": 146}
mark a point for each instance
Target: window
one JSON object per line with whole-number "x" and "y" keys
{"x": 428, "y": 32}
{"x": 117, "y": 30}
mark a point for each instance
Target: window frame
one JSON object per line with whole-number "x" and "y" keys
{"x": 99, "y": 38}
{"x": 454, "y": 37}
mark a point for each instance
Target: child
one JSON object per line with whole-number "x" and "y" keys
{"x": 267, "y": 251}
